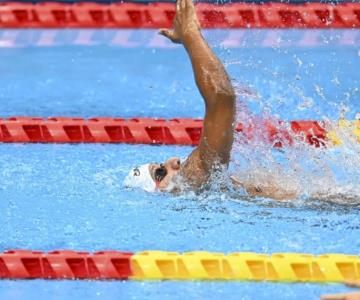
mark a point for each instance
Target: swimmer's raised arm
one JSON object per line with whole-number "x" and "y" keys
{"x": 213, "y": 152}
{"x": 214, "y": 85}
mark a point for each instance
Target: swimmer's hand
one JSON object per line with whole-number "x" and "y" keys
{"x": 185, "y": 22}
{"x": 345, "y": 296}
{"x": 267, "y": 189}
{"x": 355, "y": 284}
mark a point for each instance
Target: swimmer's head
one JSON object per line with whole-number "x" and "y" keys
{"x": 154, "y": 176}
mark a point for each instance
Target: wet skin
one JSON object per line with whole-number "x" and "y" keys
{"x": 213, "y": 153}
{"x": 172, "y": 167}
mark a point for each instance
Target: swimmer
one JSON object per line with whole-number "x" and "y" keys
{"x": 345, "y": 296}
{"x": 213, "y": 152}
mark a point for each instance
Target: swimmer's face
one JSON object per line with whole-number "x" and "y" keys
{"x": 164, "y": 172}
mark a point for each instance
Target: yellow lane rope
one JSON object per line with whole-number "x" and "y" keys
{"x": 344, "y": 131}
{"x": 281, "y": 267}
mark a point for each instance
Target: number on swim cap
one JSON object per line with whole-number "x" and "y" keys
{"x": 136, "y": 171}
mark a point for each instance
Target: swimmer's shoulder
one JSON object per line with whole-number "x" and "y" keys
{"x": 193, "y": 172}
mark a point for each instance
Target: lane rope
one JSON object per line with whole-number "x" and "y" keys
{"x": 160, "y": 15}
{"x": 168, "y": 132}
{"x": 153, "y": 265}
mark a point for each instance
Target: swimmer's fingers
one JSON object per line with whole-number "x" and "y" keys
{"x": 170, "y": 34}
{"x": 190, "y": 9}
{"x": 167, "y": 33}
{"x": 183, "y": 5}
{"x": 355, "y": 284}
{"x": 346, "y": 296}
{"x": 179, "y": 7}
{"x": 189, "y": 4}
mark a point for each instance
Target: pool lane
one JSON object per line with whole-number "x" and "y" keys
{"x": 295, "y": 74}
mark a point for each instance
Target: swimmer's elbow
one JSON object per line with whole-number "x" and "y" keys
{"x": 217, "y": 90}
{"x": 225, "y": 98}
{"x": 227, "y": 94}
{"x": 230, "y": 98}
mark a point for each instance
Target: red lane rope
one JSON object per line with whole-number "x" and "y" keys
{"x": 197, "y": 265}
{"x": 156, "y": 15}
{"x": 147, "y": 131}
{"x": 65, "y": 264}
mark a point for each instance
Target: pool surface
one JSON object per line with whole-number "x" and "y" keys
{"x": 71, "y": 196}
{"x": 310, "y": 73}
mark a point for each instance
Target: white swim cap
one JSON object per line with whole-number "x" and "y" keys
{"x": 139, "y": 177}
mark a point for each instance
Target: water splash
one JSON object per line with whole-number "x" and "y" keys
{"x": 330, "y": 174}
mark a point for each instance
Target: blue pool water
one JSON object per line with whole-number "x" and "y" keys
{"x": 71, "y": 196}
{"x": 91, "y": 73}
